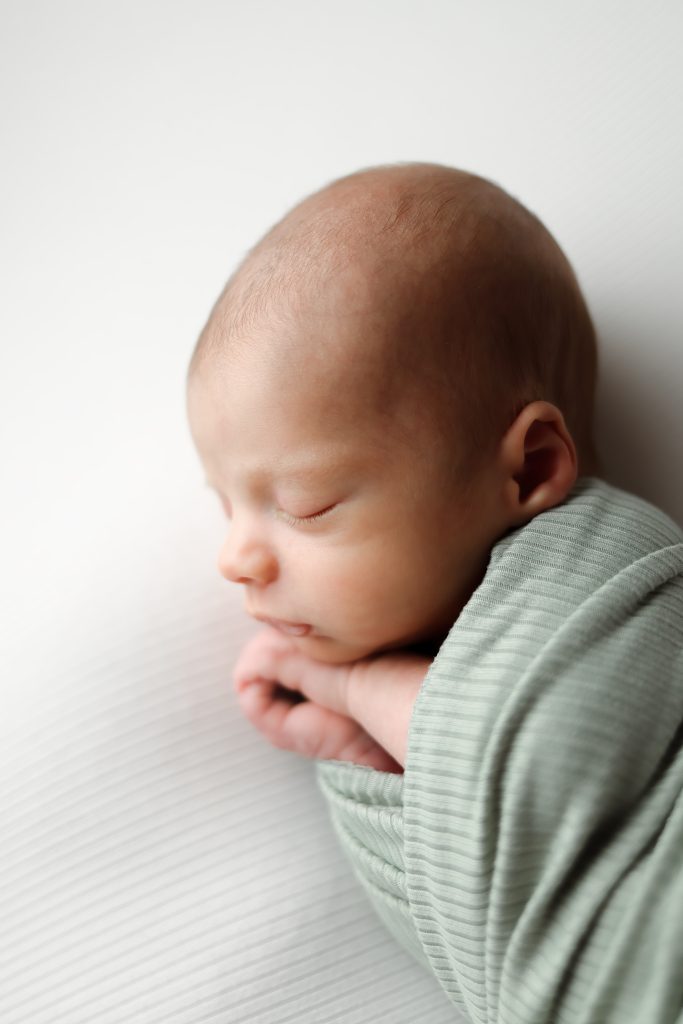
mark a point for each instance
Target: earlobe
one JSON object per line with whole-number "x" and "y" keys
{"x": 540, "y": 461}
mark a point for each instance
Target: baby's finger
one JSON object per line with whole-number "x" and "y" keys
{"x": 320, "y": 733}
{"x": 266, "y": 705}
{"x": 310, "y": 730}
{"x": 261, "y": 658}
{"x": 280, "y": 662}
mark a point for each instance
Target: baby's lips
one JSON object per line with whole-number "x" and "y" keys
{"x": 289, "y": 628}
{"x": 282, "y": 625}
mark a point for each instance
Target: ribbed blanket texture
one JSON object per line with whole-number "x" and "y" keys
{"x": 531, "y": 856}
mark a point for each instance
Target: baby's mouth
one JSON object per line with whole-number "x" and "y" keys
{"x": 290, "y": 628}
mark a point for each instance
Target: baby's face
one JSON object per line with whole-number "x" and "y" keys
{"x": 341, "y": 524}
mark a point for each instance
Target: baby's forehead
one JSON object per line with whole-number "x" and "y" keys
{"x": 292, "y": 438}
{"x": 332, "y": 376}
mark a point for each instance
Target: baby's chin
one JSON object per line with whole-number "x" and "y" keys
{"x": 332, "y": 651}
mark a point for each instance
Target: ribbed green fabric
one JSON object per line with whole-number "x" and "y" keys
{"x": 532, "y": 853}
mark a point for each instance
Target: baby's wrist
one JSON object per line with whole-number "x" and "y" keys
{"x": 356, "y": 688}
{"x": 380, "y": 694}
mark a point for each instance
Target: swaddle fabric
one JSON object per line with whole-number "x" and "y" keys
{"x": 531, "y": 856}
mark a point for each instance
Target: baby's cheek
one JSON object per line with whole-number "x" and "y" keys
{"x": 367, "y": 609}
{"x": 352, "y": 594}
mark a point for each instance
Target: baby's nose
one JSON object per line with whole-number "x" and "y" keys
{"x": 247, "y": 562}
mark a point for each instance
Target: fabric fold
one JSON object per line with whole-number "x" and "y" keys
{"x": 534, "y": 844}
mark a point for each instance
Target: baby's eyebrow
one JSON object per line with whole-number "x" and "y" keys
{"x": 307, "y": 473}
{"x": 304, "y": 472}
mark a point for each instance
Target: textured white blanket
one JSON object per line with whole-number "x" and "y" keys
{"x": 160, "y": 863}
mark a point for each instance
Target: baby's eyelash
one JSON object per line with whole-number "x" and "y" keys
{"x": 293, "y": 520}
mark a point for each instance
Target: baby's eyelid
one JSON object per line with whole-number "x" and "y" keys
{"x": 227, "y": 508}
{"x": 312, "y": 517}
{"x": 323, "y": 511}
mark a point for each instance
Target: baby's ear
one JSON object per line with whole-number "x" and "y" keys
{"x": 539, "y": 460}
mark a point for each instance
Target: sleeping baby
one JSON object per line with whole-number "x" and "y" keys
{"x": 478, "y": 638}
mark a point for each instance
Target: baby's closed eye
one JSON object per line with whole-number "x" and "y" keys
{"x": 312, "y": 517}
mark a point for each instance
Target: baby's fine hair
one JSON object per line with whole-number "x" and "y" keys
{"x": 485, "y": 308}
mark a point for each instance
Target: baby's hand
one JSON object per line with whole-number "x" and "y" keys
{"x": 301, "y": 705}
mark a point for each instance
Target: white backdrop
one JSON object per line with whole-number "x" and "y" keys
{"x": 146, "y": 146}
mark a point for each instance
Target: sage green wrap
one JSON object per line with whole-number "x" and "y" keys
{"x": 531, "y": 856}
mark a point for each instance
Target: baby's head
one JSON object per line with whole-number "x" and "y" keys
{"x": 397, "y": 374}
